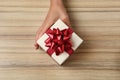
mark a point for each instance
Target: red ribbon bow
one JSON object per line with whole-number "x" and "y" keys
{"x": 59, "y": 41}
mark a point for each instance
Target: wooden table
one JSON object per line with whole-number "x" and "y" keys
{"x": 96, "y": 21}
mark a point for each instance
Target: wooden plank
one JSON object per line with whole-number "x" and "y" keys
{"x": 76, "y": 23}
{"x": 75, "y": 3}
{"x": 77, "y": 61}
{"x": 113, "y": 16}
{"x": 69, "y": 9}
{"x": 45, "y": 74}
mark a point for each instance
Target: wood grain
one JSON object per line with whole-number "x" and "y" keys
{"x": 96, "y": 21}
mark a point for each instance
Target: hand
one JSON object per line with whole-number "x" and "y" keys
{"x": 56, "y": 11}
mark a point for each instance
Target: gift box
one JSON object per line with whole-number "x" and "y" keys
{"x": 59, "y": 41}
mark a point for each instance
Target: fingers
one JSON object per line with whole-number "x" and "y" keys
{"x": 66, "y": 20}
{"x": 41, "y": 31}
{"x": 36, "y": 38}
{"x": 36, "y": 46}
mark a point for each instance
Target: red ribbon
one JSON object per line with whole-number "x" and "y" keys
{"x": 59, "y": 41}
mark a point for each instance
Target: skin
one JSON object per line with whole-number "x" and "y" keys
{"x": 56, "y": 11}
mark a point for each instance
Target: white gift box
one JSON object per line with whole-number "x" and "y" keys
{"x": 75, "y": 39}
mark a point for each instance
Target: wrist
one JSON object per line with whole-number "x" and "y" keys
{"x": 56, "y": 2}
